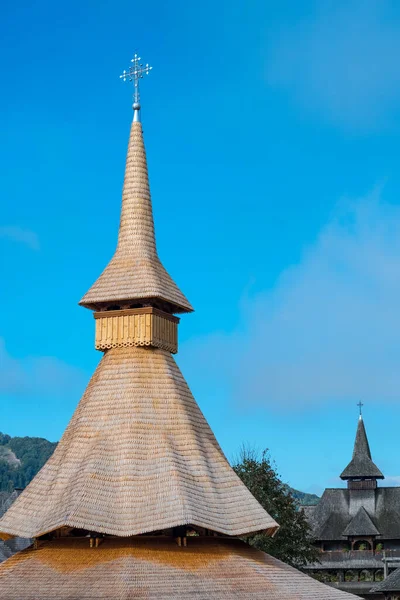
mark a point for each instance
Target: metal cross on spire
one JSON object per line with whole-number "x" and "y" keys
{"x": 360, "y": 405}
{"x": 134, "y": 73}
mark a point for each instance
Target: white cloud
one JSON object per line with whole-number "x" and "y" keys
{"x": 342, "y": 62}
{"x": 329, "y": 330}
{"x": 392, "y": 480}
{"x": 38, "y": 375}
{"x": 20, "y": 235}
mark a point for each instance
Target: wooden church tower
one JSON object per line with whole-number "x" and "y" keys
{"x": 138, "y": 500}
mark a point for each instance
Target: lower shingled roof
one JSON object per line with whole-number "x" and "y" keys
{"x": 155, "y": 568}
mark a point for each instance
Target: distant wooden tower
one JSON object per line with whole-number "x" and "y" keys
{"x": 138, "y": 500}
{"x": 357, "y": 529}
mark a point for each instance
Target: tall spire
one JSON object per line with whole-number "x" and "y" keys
{"x": 361, "y": 465}
{"x": 135, "y": 275}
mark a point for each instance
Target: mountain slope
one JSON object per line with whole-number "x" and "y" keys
{"x": 304, "y": 499}
{"x": 20, "y": 460}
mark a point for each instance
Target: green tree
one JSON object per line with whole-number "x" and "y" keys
{"x": 4, "y": 439}
{"x": 292, "y": 543}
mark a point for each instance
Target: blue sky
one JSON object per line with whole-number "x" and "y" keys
{"x": 272, "y": 132}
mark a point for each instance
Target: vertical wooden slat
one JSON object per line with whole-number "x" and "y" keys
{"x": 142, "y": 328}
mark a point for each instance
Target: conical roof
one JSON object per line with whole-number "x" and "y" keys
{"x": 135, "y": 272}
{"x": 137, "y": 456}
{"x": 361, "y": 464}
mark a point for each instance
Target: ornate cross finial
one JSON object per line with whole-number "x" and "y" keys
{"x": 134, "y": 73}
{"x": 360, "y": 405}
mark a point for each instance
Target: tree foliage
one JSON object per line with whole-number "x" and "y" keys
{"x": 291, "y": 543}
{"x": 31, "y": 452}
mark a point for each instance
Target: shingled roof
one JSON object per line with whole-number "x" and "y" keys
{"x": 154, "y": 568}
{"x": 135, "y": 273}
{"x": 137, "y": 456}
{"x": 332, "y": 515}
{"x": 390, "y": 584}
{"x": 361, "y": 464}
{"x": 361, "y": 524}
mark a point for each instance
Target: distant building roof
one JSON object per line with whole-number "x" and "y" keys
{"x": 361, "y": 464}
{"x": 361, "y": 524}
{"x": 331, "y": 519}
{"x": 390, "y": 584}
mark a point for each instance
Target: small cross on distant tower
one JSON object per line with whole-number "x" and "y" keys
{"x": 360, "y": 405}
{"x": 134, "y": 73}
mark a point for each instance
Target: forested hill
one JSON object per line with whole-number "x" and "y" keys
{"x": 304, "y": 499}
{"x": 22, "y": 457}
